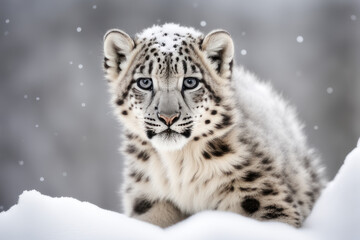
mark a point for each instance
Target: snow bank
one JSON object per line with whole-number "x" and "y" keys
{"x": 335, "y": 216}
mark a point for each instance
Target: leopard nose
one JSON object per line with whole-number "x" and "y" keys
{"x": 168, "y": 119}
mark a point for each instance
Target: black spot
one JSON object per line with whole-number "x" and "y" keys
{"x": 273, "y": 212}
{"x": 150, "y": 133}
{"x": 238, "y": 166}
{"x": 143, "y": 155}
{"x": 150, "y": 67}
{"x": 266, "y": 161}
{"x": 250, "y": 205}
{"x": 226, "y": 121}
{"x": 124, "y": 112}
{"x": 266, "y": 192}
{"x": 311, "y": 196}
{"x": 300, "y": 203}
{"x": 268, "y": 168}
{"x": 218, "y": 148}
{"x": 153, "y": 50}
{"x": 213, "y": 112}
{"x": 273, "y": 215}
{"x": 193, "y": 68}
{"x": 217, "y": 99}
{"x": 196, "y": 138}
{"x": 206, "y": 155}
{"x": 119, "y": 102}
{"x": 131, "y": 149}
{"x": 142, "y": 205}
{"x": 106, "y": 66}
{"x": 207, "y": 121}
{"x": 251, "y": 176}
{"x": 289, "y": 199}
{"x": 137, "y": 175}
{"x": 184, "y": 66}
{"x": 176, "y": 70}
{"x": 231, "y": 65}
{"x": 248, "y": 189}
{"x": 141, "y": 69}
{"x": 186, "y": 133}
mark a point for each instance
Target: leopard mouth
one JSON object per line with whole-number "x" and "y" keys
{"x": 168, "y": 133}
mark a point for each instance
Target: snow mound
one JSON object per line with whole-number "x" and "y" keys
{"x": 335, "y": 216}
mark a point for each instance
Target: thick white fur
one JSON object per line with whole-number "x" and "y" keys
{"x": 176, "y": 180}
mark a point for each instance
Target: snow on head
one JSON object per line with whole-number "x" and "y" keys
{"x": 168, "y": 36}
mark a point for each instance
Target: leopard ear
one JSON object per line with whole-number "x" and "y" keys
{"x": 219, "y": 49}
{"x": 117, "y": 48}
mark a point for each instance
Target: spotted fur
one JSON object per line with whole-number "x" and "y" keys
{"x": 230, "y": 143}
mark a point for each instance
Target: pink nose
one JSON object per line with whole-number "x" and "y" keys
{"x": 168, "y": 120}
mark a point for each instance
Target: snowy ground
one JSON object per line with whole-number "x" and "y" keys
{"x": 335, "y": 216}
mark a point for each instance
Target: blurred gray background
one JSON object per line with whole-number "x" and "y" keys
{"x": 57, "y": 131}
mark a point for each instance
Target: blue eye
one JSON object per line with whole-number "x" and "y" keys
{"x": 145, "y": 83}
{"x": 190, "y": 83}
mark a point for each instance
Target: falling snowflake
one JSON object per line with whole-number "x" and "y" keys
{"x": 94, "y": 6}
{"x": 203, "y": 23}
{"x": 83, "y": 104}
{"x": 195, "y": 5}
{"x": 80, "y": 66}
{"x": 78, "y": 29}
{"x": 36, "y": 125}
{"x": 21, "y": 163}
{"x": 71, "y": 62}
{"x": 243, "y": 33}
{"x": 81, "y": 84}
{"x": 25, "y": 96}
{"x": 37, "y": 99}
{"x": 7, "y": 21}
{"x": 6, "y": 33}
{"x": 64, "y": 174}
{"x": 329, "y": 90}
{"x": 299, "y": 39}
{"x": 42, "y": 179}
{"x": 56, "y": 134}
{"x": 243, "y": 52}
{"x": 316, "y": 127}
{"x": 353, "y": 17}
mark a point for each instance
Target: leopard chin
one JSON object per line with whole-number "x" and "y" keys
{"x": 169, "y": 140}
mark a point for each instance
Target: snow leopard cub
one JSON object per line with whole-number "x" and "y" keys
{"x": 201, "y": 134}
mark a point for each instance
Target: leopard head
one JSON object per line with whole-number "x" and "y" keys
{"x": 171, "y": 84}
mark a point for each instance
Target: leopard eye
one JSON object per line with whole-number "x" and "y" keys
{"x": 190, "y": 83}
{"x": 144, "y": 83}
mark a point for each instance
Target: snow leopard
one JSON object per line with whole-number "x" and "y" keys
{"x": 200, "y": 133}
